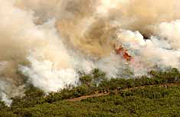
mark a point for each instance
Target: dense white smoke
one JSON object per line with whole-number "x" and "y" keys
{"x": 46, "y": 42}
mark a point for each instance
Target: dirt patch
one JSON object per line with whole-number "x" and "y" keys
{"x": 115, "y": 91}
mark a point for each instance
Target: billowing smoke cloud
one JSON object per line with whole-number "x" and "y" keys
{"x": 46, "y": 43}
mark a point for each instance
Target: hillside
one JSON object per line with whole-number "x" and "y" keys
{"x": 145, "y": 96}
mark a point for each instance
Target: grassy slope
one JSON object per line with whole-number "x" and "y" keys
{"x": 144, "y": 97}
{"x": 150, "y": 101}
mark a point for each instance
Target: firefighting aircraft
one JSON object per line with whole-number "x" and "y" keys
{"x": 123, "y": 53}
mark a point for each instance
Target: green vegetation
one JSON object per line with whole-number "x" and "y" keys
{"x": 153, "y": 96}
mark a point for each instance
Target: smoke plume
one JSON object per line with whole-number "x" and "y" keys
{"x": 46, "y": 42}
